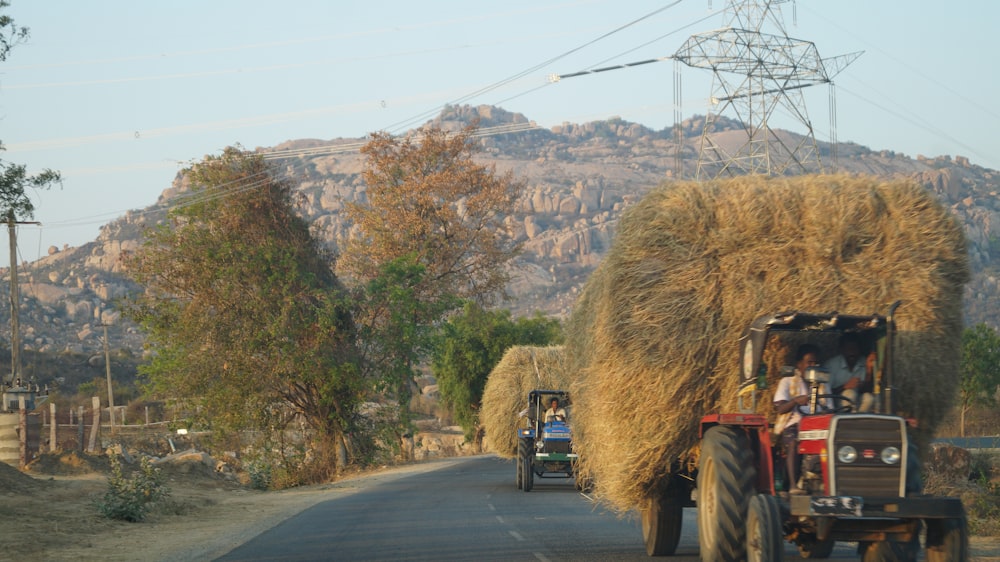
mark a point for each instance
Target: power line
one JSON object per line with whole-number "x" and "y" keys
{"x": 396, "y": 127}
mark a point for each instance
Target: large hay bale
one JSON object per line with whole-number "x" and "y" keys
{"x": 653, "y": 339}
{"x": 521, "y": 370}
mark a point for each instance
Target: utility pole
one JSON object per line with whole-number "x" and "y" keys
{"x": 107, "y": 369}
{"x": 16, "y": 394}
{"x": 15, "y": 302}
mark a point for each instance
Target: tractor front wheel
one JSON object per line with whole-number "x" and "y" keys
{"x": 765, "y": 538}
{"x": 528, "y": 476}
{"x": 661, "y": 526}
{"x": 726, "y": 476}
{"x": 520, "y": 464}
{"x": 947, "y": 539}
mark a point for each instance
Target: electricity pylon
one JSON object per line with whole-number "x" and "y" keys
{"x": 756, "y": 73}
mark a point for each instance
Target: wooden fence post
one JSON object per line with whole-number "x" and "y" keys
{"x": 79, "y": 428}
{"x": 53, "y": 444}
{"x": 22, "y": 429}
{"x": 92, "y": 445}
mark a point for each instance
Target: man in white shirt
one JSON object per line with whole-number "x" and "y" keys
{"x": 555, "y": 413}
{"x": 849, "y": 373}
{"x": 792, "y": 398}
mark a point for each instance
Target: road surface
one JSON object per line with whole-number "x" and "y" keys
{"x": 468, "y": 509}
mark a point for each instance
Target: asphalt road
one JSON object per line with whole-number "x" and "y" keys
{"x": 465, "y": 510}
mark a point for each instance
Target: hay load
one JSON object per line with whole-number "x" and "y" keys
{"x": 654, "y": 336}
{"x": 521, "y": 370}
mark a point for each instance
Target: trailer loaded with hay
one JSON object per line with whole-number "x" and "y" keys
{"x": 674, "y": 405}
{"x": 521, "y": 369}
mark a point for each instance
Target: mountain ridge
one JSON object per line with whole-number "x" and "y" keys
{"x": 580, "y": 177}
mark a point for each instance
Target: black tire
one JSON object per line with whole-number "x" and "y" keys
{"x": 765, "y": 537}
{"x": 726, "y": 477}
{"x": 817, "y": 550}
{"x": 661, "y": 526}
{"x": 947, "y": 539}
{"x": 528, "y": 477}
{"x": 520, "y": 464}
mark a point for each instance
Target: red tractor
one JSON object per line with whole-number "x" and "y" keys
{"x": 860, "y": 471}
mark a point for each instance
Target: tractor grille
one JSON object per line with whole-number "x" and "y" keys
{"x": 867, "y": 476}
{"x": 553, "y": 446}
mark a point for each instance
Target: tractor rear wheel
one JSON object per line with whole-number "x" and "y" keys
{"x": 726, "y": 476}
{"x": 765, "y": 538}
{"x": 947, "y": 539}
{"x": 520, "y": 463}
{"x": 661, "y": 526}
{"x": 528, "y": 476}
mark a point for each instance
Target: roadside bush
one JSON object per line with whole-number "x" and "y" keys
{"x": 131, "y": 497}
{"x": 980, "y": 493}
{"x": 259, "y": 472}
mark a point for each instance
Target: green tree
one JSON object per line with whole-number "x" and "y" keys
{"x": 14, "y": 179}
{"x": 10, "y": 33}
{"x": 980, "y": 370}
{"x": 471, "y": 344}
{"x": 434, "y": 212}
{"x": 15, "y": 203}
{"x": 242, "y": 309}
{"x": 393, "y": 331}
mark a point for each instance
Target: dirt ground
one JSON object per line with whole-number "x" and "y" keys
{"x": 50, "y": 515}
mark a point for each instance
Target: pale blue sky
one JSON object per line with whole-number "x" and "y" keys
{"x": 118, "y": 95}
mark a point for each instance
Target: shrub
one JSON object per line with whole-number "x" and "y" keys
{"x": 131, "y": 497}
{"x": 259, "y": 471}
{"x": 980, "y": 493}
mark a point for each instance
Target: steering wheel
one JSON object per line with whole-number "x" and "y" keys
{"x": 841, "y": 403}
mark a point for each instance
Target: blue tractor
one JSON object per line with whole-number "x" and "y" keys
{"x": 545, "y": 445}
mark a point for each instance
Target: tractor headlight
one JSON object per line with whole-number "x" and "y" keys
{"x": 847, "y": 454}
{"x": 890, "y": 455}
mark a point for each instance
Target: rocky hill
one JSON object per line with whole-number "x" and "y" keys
{"x": 580, "y": 177}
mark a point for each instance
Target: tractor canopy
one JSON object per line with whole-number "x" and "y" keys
{"x": 539, "y": 400}
{"x": 876, "y": 329}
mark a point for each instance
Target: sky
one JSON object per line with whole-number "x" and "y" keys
{"x": 120, "y": 95}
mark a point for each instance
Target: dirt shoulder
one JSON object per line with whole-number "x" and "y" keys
{"x": 52, "y": 516}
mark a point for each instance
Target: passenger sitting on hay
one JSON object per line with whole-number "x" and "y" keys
{"x": 791, "y": 402}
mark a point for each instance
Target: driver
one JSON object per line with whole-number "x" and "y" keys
{"x": 791, "y": 398}
{"x": 555, "y": 413}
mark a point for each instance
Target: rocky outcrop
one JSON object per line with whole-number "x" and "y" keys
{"x": 580, "y": 177}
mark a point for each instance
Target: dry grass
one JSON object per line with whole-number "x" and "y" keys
{"x": 521, "y": 370}
{"x": 980, "y": 493}
{"x": 653, "y": 338}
